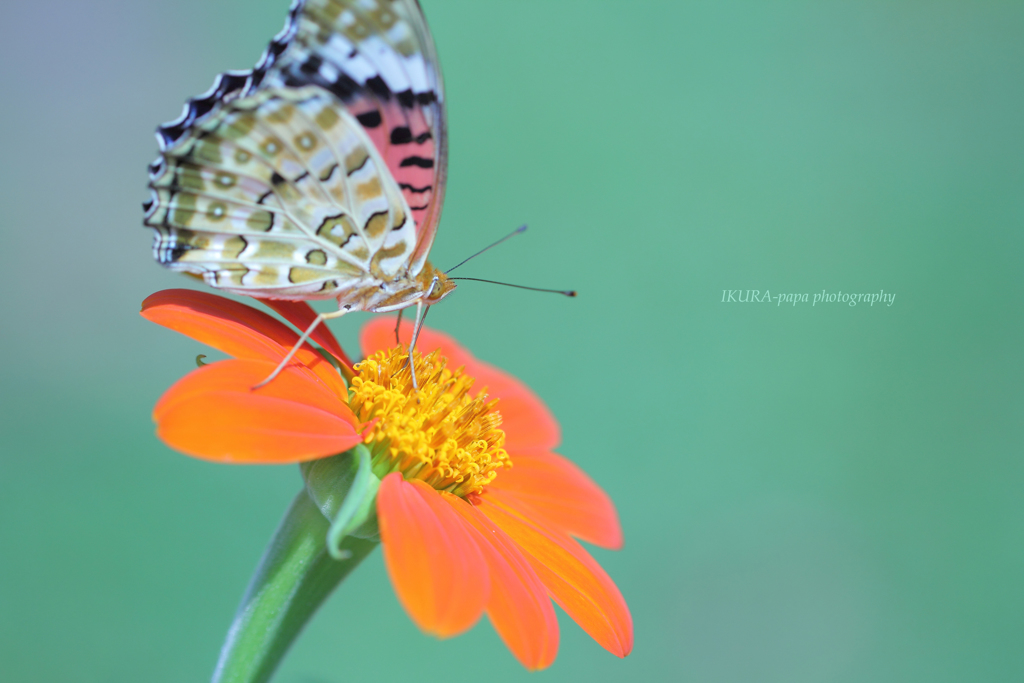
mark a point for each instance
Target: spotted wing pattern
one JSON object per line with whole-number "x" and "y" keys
{"x": 280, "y": 193}
{"x": 378, "y": 57}
{"x": 239, "y": 198}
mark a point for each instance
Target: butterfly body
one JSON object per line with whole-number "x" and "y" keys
{"x": 320, "y": 173}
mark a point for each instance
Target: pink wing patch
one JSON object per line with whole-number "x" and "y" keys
{"x": 407, "y": 143}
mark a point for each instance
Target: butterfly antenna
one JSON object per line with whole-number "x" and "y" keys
{"x": 520, "y": 229}
{"x": 563, "y": 292}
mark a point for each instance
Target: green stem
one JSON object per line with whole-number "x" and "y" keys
{"x": 295, "y": 575}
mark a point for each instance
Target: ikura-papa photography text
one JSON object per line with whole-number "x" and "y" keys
{"x": 757, "y": 296}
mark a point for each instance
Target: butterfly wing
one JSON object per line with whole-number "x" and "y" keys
{"x": 320, "y": 170}
{"x": 280, "y": 194}
{"x": 379, "y": 58}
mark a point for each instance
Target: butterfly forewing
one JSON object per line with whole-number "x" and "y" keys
{"x": 322, "y": 170}
{"x": 379, "y": 58}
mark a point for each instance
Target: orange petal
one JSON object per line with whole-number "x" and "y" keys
{"x": 571, "y": 575}
{"x": 433, "y": 557}
{"x": 556, "y": 490}
{"x": 302, "y": 315}
{"x": 236, "y": 329}
{"x": 527, "y": 422}
{"x": 525, "y": 419}
{"x": 213, "y": 414}
{"x": 519, "y": 606}
{"x": 379, "y": 335}
{"x": 295, "y": 384}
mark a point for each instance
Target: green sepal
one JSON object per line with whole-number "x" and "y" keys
{"x": 344, "y": 487}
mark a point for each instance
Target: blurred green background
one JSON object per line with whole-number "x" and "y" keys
{"x": 824, "y": 493}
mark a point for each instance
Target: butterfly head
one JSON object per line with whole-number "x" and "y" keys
{"x": 429, "y": 286}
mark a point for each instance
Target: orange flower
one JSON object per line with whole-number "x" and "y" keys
{"x": 476, "y": 511}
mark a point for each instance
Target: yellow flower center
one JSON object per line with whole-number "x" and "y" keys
{"x": 439, "y": 433}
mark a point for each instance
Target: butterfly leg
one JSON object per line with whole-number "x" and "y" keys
{"x": 421, "y": 312}
{"x": 398, "y": 323}
{"x": 302, "y": 340}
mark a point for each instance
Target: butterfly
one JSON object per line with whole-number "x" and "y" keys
{"x": 318, "y": 174}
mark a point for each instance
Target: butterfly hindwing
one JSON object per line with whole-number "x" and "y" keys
{"x": 280, "y": 193}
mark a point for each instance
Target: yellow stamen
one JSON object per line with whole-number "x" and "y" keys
{"x": 439, "y": 433}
